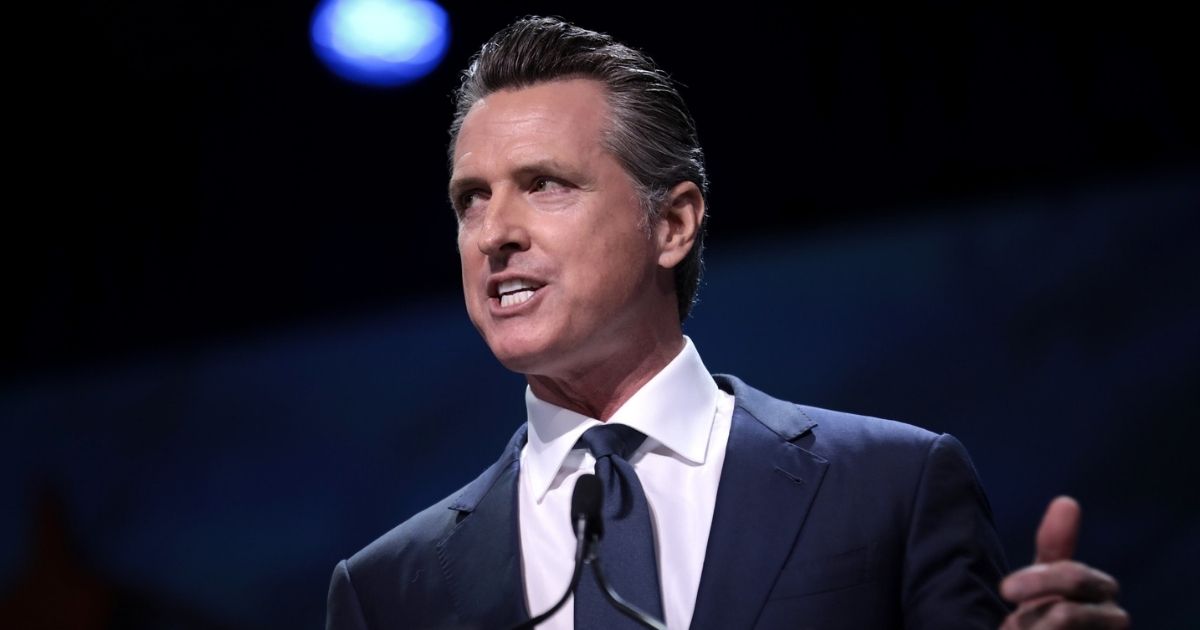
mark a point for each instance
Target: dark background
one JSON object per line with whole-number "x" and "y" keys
{"x": 237, "y": 351}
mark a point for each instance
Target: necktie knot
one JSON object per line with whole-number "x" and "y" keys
{"x": 612, "y": 439}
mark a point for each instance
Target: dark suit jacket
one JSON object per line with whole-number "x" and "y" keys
{"x": 823, "y": 520}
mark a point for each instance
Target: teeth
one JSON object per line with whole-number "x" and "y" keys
{"x": 512, "y": 299}
{"x": 508, "y": 286}
{"x": 514, "y": 292}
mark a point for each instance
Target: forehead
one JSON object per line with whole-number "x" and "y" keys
{"x": 568, "y": 115}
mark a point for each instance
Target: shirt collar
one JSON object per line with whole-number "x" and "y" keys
{"x": 675, "y": 408}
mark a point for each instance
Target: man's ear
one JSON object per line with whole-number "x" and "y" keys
{"x": 678, "y": 225}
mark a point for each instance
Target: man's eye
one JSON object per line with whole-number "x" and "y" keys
{"x": 545, "y": 184}
{"x": 467, "y": 200}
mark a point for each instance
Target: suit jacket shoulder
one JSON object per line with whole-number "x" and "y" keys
{"x": 895, "y": 530}
{"x": 449, "y": 566}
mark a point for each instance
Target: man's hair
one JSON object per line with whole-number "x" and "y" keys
{"x": 651, "y": 132}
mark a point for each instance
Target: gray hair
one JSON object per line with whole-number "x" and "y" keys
{"x": 651, "y": 133}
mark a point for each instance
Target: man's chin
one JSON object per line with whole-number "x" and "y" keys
{"x": 526, "y": 357}
{"x": 520, "y": 362}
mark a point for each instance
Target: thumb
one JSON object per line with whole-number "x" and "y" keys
{"x": 1059, "y": 530}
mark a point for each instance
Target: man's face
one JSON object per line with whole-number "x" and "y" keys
{"x": 559, "y": 271}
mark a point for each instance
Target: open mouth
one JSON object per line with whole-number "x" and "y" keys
{"x": 517, "y": 291}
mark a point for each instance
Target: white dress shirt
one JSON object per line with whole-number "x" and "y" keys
{"x": 686, "y": 419}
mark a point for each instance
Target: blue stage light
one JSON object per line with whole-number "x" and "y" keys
{"x": 380, "y": 42}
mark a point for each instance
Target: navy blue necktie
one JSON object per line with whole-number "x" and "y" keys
{"x": 626, "y": 552}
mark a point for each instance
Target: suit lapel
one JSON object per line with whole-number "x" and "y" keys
{"x": 481, "y": 557}
{"x": 767, "y": 485}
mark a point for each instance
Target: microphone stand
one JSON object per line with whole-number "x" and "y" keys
{"x": 583, "y": 549}
{"x": 614, "y": 598}
{"x": 585, "y": 509}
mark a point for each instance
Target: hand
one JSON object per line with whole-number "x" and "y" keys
{"x": 1056, "y": 591}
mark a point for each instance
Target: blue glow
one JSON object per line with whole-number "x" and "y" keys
{"x": 380, "y": 42}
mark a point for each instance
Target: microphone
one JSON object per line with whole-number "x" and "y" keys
{"x": 586, "y": 501}
{"x": 589, "y": 528}
{"x": 628, "y": 609}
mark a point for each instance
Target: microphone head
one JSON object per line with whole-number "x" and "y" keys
{"x": 586, "y": 502}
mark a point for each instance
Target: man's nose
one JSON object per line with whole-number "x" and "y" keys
{"x": 504, "y": 226}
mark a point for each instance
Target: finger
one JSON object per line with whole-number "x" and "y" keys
{"x": 1074, "y": 615}
{"x": 1059, "y": 530}
{"x": 1068, "y": 579}
{"x": 1028, "y": 613}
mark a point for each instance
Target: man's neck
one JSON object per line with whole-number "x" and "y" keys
{"x": 599, "y": 391}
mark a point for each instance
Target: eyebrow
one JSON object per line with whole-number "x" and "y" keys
{"x": 549, "y": 165}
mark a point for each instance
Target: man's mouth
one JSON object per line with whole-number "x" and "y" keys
{"x": 517, "y": 291}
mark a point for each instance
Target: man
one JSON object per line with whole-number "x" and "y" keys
{"x": 579, "y": 187}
